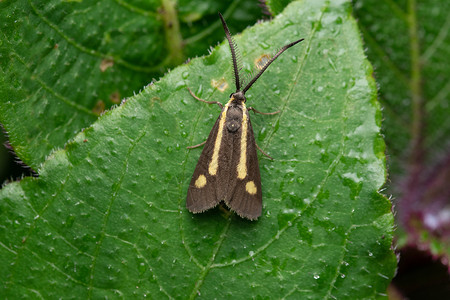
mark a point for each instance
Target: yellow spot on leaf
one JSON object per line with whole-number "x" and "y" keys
{"x": 200, "y": 182}
{"x": 261, "y": 61}
{"x": 220, "y": 84}
{"x": 105, "y": 64}
{"x": 99, "y": 107}
{"x": 115, "y": 97}
{"x": 250, "y": 187}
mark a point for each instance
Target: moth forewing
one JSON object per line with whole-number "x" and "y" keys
{"x": 201, "y": 194}
{"x": 246, "y": 198}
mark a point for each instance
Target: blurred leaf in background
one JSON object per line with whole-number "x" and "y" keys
{"x": 408, "y": 43}
{"x": 64, "y": 62}
{"x": 106, "y": 216}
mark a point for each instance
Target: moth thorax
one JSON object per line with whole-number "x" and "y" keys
{"x": 234, "y": 118}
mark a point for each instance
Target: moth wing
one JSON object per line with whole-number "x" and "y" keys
{"x": 201, "y": 193}
{"x": 246, "y": 200}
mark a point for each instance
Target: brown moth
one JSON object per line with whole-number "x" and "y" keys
{"x": 228, "y": 169}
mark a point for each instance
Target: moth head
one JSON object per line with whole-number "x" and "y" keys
{"x": 238, "y": 97}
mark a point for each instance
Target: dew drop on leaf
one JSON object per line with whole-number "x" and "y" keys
{"x": 179, "y": 85}
{"x": 264, "y": 45}
{"x": 287, "y": 23}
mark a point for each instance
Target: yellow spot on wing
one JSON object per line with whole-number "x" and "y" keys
{"x": 214, "y": 164}
{"x": 200, "y": 182}
{"x": 242, "y": 165}
{"x": 250, "y": 187}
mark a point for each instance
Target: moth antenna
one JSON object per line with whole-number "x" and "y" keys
{"x": 248, "y": 76}
{"x": 235, "y": 54}
{"x": 249, "y": 85}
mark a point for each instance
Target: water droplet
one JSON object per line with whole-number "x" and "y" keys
{"x": 179, "y": 85}
{"x": 333, "y": 66}
{"x": 141, "y": 268}
{"x": 352, "y": 176}
{"x": 287, "y": 23}
{"x": 294, "y": 58}
{"x": 185, "y": 75}
{"x": 264, "y": 45}
{"x": 262, "y": 134}
{"x": 199, "y": 91}
{"x": 316, "y": 276}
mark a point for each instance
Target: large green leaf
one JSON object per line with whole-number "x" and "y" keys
{"x": 106, "y": 217}
{"x": 408, "y": 43}
{"x": 63, "y": 62}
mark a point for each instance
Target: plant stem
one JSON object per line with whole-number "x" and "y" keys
{"x": 172, "y": 32}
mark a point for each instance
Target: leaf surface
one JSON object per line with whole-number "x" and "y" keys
{"x": 107, "y": 217}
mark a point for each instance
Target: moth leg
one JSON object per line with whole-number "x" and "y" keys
{"x": 257, "y": 111}
{"x": 196, "y": 146}
{"x": 209, "y": 102}
{"x": 263, "y": 152}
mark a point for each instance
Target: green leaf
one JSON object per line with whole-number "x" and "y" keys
{"x": 106, "y": 217}
{"x": 409, "y": 46}
{"x": 408, "y": 78}
{"x": 276, "y": 6}
{"x": 66, "y": 61}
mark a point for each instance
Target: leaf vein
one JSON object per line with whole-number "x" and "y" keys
{"x": 93, "y": 52}
{"x": 116, "y": 191}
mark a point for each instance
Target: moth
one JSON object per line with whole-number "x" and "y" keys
{"x": 228, "y": 169}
